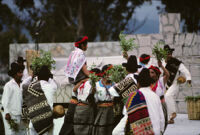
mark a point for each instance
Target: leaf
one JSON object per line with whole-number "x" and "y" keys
{"x": 159, "y": 52}
{"x": 117, "y": 73}
{"x": 44, "y": 59}
{"x": 126, "y": 45}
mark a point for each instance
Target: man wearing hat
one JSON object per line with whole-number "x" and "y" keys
{"x": 20, "y": 61}
{"x": 173, "y": 65}
{"x": 12, "y": 99}
{"x": 124, "y": 88}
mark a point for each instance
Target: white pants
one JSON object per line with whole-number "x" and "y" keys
{"x": 33, "y": 132}
{"x": 170, "y": 98}
{"x": 120, "y": 128}
{"x": 17, "y": 119}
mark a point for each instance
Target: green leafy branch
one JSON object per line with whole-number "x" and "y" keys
{"x": 159, "y": 52}
{"x": 117, "y": 73}
{"x": 13, "y": 125}
{"x": 192, "y": 98}
{"x": 126, "y": 45}
{"x": 93, "y": 79}
{"x": 45, "y": 58}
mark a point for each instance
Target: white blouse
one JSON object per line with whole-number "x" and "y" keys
{"x": 101, "y": 93}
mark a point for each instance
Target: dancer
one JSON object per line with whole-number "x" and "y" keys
{"x": 145, "y": 114}
{"x": 12, "y": 100}
{"x": 158, "y": 85}
{"x": 104, "y": 120}
{"x": 174, "y": 66}
{"x": 85, "y": 110}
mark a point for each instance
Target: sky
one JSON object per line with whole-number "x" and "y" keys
{"x": 150, "y": 12}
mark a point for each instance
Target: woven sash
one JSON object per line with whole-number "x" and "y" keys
{"x": 38, "y": 108}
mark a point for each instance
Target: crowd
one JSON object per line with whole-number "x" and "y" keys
{"x": 145, "y": 98}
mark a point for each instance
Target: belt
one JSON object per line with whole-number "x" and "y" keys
{"x": 73, "y": 101}
{"x": 105, "y": 104}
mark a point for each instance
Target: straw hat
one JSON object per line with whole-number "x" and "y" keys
{"x": 58, "y": 111}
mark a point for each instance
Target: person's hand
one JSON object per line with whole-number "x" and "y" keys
{"x": 125, "y": 55}
{"x": 159, "y": 63}
{"x": 8, "y": 117}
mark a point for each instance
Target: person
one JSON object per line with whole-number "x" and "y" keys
{"x": 158, "y": 85}
{"x": 76, "y": 69}
{"x": 104, "y": 120}
{"x": 123, "y": 89}
{"x": 20, "y": 61}
{"x": 174, "y": 66}
{"x": 2, "y": 130}
{"x": 12, "y": 100}
{"x": 85, "y": 110}
{"x": 143, "y": 61}
{"x": 145, "y": 114}
{"x": 38, "y": 97}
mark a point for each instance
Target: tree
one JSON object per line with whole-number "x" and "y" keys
{"x": 189, "y": 10}
{"x": 10, "y": 32}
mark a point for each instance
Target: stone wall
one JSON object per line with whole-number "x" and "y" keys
{"x": 187, "y": 49}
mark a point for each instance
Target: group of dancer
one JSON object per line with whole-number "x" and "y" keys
{"x": 147, "y": 95}
{"x": 141, "y": 103}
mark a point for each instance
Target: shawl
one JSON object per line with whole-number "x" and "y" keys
{"x": 75, "y": 63}
{"x": 172, "y": 66}
{"x": 138, "y": 116}
{"x": 125, "y": 87}
{"x": 38, "y": 108}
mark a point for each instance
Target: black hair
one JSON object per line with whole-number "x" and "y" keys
{"x": 105, "y": 68}
{"x": 96, "y": 71}
{"x": 44, "y": 73}
{"x": 144, "y": 78}
{"x": 82, "y": 43}
{"x": 146, "y": 61}
{"x": 15, "y": 68}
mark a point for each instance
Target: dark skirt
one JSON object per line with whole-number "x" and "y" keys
{"x": 164, "y": 107}
{"x": 67, "y": 127}
{"x": 83, "y": 120}
{"x": 104, "y": 121}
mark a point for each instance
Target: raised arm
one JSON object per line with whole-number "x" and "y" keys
{"x": 166, "y": 72}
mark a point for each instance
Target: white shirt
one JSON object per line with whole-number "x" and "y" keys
{"x": 12, "y": 98}
{"x": 101, "y": 92}
{"x": 160, "y": 90}
{"x": 84, "y": 90}
{"x": 185, "y": 71}
{"x": 155, "y": 109}
{"x": 49, "y": 89}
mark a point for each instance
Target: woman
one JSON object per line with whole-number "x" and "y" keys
{"x": 103, "y": 124}
{"x": 76, "y": 69}
{"x": 158, "y": 85}
{"x": 85, "y": 109}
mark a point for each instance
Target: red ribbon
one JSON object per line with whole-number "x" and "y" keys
{"x": 146, "y": 58}
{"x": 154, "y": 68}
{"x": 82, "y": 40}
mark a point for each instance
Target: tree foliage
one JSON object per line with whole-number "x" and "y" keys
{"x": 189, "y": 10}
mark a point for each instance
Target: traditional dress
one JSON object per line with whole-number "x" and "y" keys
{"x": 74, "y": 65}
{"x": 84, "y": 112}
{"x": 145, "y": 114}
{"x": 12, "y": 104}
{"x": 39, "y": 101}
{"x": 67, "y": 127}
{"x": 103, "y": 124}
{"x": 127, "y": 86}
{"x": 159, "y": 89}
{"x": 174, "y": 66}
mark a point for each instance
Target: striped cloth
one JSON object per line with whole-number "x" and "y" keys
{"x": 138, "y": 116}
